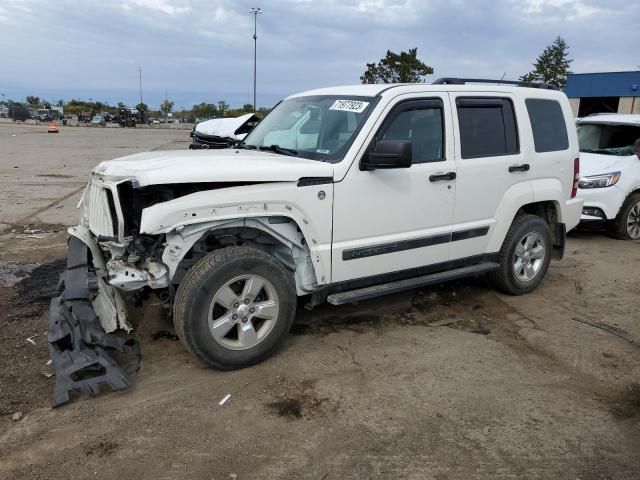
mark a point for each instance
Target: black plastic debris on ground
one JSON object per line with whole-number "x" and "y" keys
{"x": 81, "y": 351}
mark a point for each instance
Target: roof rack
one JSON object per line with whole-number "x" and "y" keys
{"x": 464, "y": 81}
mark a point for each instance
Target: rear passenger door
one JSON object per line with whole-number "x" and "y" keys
{"x": 489, "y": 162}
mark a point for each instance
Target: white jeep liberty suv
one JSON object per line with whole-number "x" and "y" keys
{"x": 338, "y": 194}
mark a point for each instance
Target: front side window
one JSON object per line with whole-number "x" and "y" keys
{"x": 548, "y": 125}
{"x": 422, "y": 125}
{"x": 320, "y": 127}
{"x": 487, "y": 127}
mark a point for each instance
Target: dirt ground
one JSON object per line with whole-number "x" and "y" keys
{"x": 515, "y": 387}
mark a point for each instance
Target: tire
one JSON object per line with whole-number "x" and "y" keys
{"x": 518, "y": 280}
{"x": 205, "y": 303}
{"x": 629, "y": 212}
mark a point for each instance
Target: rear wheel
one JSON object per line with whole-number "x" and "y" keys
{"x": 524, "y": 257}
{"x": 626, "y": 226}
{"x": 234, "y": 307}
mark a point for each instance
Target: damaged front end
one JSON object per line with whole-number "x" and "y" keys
{"x": 88, "y": 325}
{"x": 83, "y": 351}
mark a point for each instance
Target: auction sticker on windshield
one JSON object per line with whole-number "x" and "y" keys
{"x": 355, "y": 106}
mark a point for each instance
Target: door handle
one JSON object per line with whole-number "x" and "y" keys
{"x": 519, "y": 168}
{"x": 442, "y": 176}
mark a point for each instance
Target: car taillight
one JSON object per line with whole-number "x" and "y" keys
{"x": 576, "y": 177}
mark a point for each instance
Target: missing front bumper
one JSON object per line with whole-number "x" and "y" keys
{"x": 84, "y": 355}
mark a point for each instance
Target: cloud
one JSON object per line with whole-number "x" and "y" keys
{"x": 160, "y": 5}
{"x": 202, "y": 50}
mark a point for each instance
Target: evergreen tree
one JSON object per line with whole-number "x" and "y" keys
{"x": 552, "y": 66}
{"x": 403, "y": 67}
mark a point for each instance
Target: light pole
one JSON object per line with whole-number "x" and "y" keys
{"x": 140, "y": 82}
{"x": 255, "y": 11}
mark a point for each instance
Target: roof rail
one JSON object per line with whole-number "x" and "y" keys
{"x": 464, "y": 81}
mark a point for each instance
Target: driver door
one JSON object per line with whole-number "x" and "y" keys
{"x": 388, "y": 220}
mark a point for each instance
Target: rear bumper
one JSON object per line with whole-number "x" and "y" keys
{"x": 571, "y": 213}
{"x": 82, "y": 352}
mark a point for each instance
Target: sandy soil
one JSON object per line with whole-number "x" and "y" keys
{"x": 515, "y": 387}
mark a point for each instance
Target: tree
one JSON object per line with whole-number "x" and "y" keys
{"x": 403, "y": 67}
{"x": 222, "y": 107}
{"x": 203, "y": 110}
{"x": 60, "y": 103}
{"x": 122, "y": 105}
{"x": 141, "y": 107}
{"x": 33, "y": 101}
{"x": 247, "y": 107}
{"x": 552, "y": 65}
{"x": 166, "y": 106}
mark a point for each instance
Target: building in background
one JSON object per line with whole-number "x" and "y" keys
{"x": 606, "y": 92}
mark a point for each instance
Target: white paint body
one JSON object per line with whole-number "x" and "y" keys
{"x": 609, "y": 199}
{"x": 224, "y": 127}
{"x": 361, "y": 208}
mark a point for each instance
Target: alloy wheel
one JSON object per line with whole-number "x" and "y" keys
{"x": 529, "y": 256}
{"x": 243, "y": 312}
{"x": 633, "y": 222}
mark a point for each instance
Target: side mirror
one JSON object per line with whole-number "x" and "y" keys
{"x": 388, "y": 154}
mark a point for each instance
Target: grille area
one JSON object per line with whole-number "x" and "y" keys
{"x": 99, "y": 207}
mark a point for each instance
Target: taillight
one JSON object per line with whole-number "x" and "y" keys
{"x": 576, "y": 177}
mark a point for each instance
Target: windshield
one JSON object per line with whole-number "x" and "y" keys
{"x": 607, "y": 138}
{"x": 318, "y": 127}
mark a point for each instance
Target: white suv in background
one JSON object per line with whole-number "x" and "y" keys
{"x": 610, "y": 172}
{"x": 340, "y": 195}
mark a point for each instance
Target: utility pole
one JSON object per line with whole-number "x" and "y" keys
{"x": 255, "y": 11}
{"x": 140, "y": 82}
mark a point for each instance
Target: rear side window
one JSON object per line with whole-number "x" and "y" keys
{"x": 548, "y": 125}
{"x": 487, "y": 127}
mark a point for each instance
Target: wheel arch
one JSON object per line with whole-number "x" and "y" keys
{"x": 541, "y": 198}
{"x": 550, "y": 212}
{"x": 279, "y": 236}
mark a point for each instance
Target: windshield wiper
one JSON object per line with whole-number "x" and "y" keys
{"x": 246, "y": 146}
{"x": 279, "y": 149}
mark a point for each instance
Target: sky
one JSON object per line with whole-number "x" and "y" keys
{"x": 202, "y": 50}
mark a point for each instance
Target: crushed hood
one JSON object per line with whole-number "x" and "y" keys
{"x": 225, "y": 127}
{"x": 597, "y": 164}
{"x": 228, "y": 165}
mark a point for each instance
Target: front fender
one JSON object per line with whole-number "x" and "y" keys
{"x": 311, "y": 211}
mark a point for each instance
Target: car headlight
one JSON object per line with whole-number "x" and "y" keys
{"x": 599, "y": 181}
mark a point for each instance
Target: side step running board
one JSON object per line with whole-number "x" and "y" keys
{"x": 401, "y": 285}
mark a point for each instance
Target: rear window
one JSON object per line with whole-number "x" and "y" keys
{"x": 487, "y": 127}
{"x": 548, "y": 125}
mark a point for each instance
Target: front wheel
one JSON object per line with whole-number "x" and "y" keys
{"x": 234, "y": 307}
{"x": 626, "y": 226}
{"x": 524, "y": 257}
